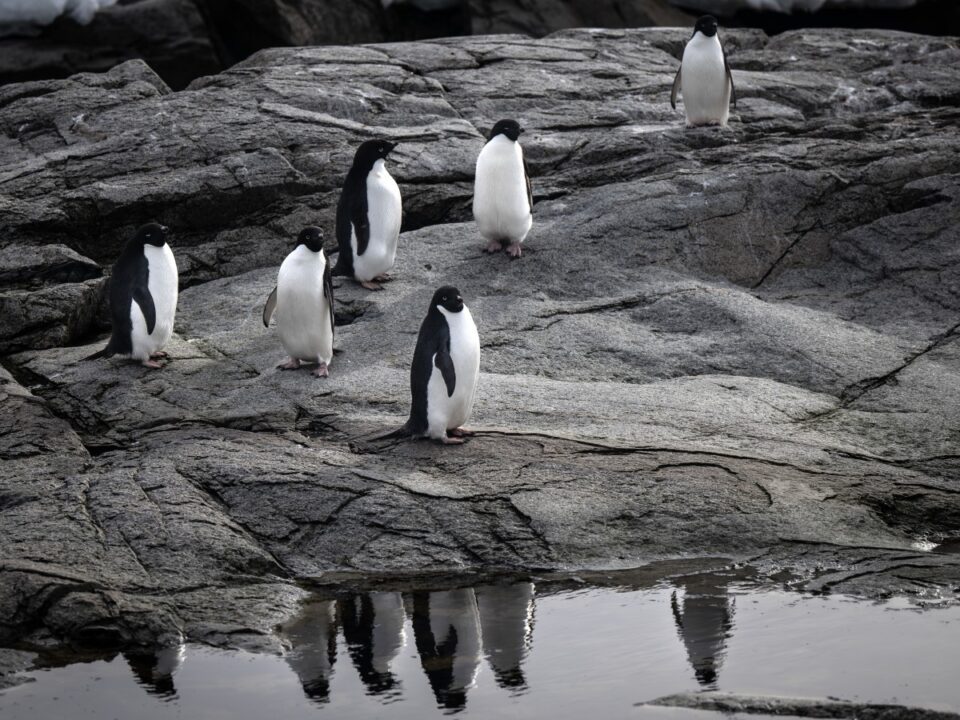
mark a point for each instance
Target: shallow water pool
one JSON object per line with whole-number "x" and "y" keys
{"x": 523, "y": 650}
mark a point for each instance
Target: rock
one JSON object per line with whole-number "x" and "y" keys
{"x": 798, "y": 707}
{"x": 170, "y": 35}
{"x": 739, "y": 343}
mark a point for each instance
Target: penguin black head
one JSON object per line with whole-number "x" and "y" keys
{"x": 312, "y": 238}
{"x": 447, "y": 297}
{"x": 510, "y": 128}
{"x": 370, "y": 151}
{"x": 152, "y": 234}
{"x": 707, "y": 25}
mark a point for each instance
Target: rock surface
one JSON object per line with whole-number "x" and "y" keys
{"x": 737, "y": 343}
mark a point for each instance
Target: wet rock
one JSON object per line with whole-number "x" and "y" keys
{"x": 799, "y": 707}
{"x": 737, "y": 343}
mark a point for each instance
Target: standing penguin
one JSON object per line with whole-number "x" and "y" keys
{"x": 502, "y": 195}
{"x": 368, "y": 217}
{"x": 143, "y": 298}
{"x": 303, "y": 300}
{"x": 704, "y": 77}
{"x": 445, "y": 369}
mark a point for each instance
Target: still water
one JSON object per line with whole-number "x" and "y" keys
{"x": 525, "y": 650}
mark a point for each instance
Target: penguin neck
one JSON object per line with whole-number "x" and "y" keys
{"x": 303, "y": 254}
{"x": 456, "y": 319}
{"x": 699, "y": 40}
{"x": 379, "y": 168}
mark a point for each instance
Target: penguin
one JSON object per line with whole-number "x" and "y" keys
{"x": 143, "y": 298}
{"x": 704, "y": 77}
{"x": 303, "y": 301}
{"x": 368, "y": 217}
{"x": 373, "y": 628}
{"x": 502, "y": 194}
{"x": 444, "y": 371}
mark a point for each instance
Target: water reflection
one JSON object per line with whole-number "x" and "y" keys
{"x": 506, "y": 616}
{"x": 373, "y": 629}
{"x": 704, "y": 618}
{"x": 155, "y": 671}
{"x": 313, "y": 641}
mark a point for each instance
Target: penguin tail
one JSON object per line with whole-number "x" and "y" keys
{"x": 105, "y": 353}
{"x": 365, "y": 444}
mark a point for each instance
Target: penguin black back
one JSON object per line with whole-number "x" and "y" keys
{"x": 352, "y": 208}
{"x": 433, "y": 349}
{"x": 129, "y": 281}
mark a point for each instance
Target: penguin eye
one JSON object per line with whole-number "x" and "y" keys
{"x": 444, "y": 298}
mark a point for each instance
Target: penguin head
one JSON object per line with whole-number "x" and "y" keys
{"x": 706, "y": 25}
{"x": 370, "y": 151}
{"x": 510, "y": 128}
{"x": 152, "y": 234}
{"x": 447, "y": 297}
{"x": 312, "y": 238}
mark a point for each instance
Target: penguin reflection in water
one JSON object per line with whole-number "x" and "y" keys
{"x": 445, "y": 370}
{"x": 704, "y": 77}
{"x": 303, "y": 301}
{"x": 143, "y": 298}
{"x": 502, "y": 195}
{"x": 369, "y": 214}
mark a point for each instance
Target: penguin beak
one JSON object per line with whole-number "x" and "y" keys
{"x": 164, "y": 229}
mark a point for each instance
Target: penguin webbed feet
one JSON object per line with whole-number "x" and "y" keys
{"x": 514, "y": 250}
{"x": 320, "y": 371}
{"x": 383, "y": 277}
{"x": 494, "y": 246}
{"x": 159, "y": 354}
{"x": 460, "y": 432}
{"x": 371, "y": 285}
{"x": 152, "y": 364}
{"x": 290, "y": 364}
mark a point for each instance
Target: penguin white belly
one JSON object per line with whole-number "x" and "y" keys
{"x": 703, "y": 82}
{"x": 162, "y": 283}
{"x": 501, "y": 206}
{"x": 446, "y": 412}
{"x": 384, "y": 213}
{"x": 303, "y": 316}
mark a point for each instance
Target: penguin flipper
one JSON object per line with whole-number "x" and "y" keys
{"x": 444, "y": 363}
{"x": 327, "y": 293}
{"x": 269, "y": 307}
{"x": 526, "y": 177}
{"x": 143, "y": 298}
{"x": 726, "y": 67}
{"x": 676, "y": 88}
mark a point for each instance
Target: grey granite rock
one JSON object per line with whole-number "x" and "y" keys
{"x": 737, "y": 343}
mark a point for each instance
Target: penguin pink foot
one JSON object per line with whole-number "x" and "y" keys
{"x": 460, "y": 432}
{"x": 291, "y": 364}
{"x": 451, "y": 440}
{"x": 370, "y": 285}
{"x": 321, "y": 371}
{"x": 494, "y": 246}
{"x": 158, "y": 355}
{"x": 152, "y": 364}
{"x": 383, "y": 277}
{"x": 514, "y": 250}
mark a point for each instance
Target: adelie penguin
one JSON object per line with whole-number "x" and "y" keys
{"x": 143, "y": 298}
{"x": 303, "y": 302}
{"x": 502, "y": 195}
{"x": 368, "y": 217}
{"x": 704, "y": 77}
{"x": 445, "y": 369}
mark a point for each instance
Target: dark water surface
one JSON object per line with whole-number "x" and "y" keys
{"x": 517, "y": 650}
